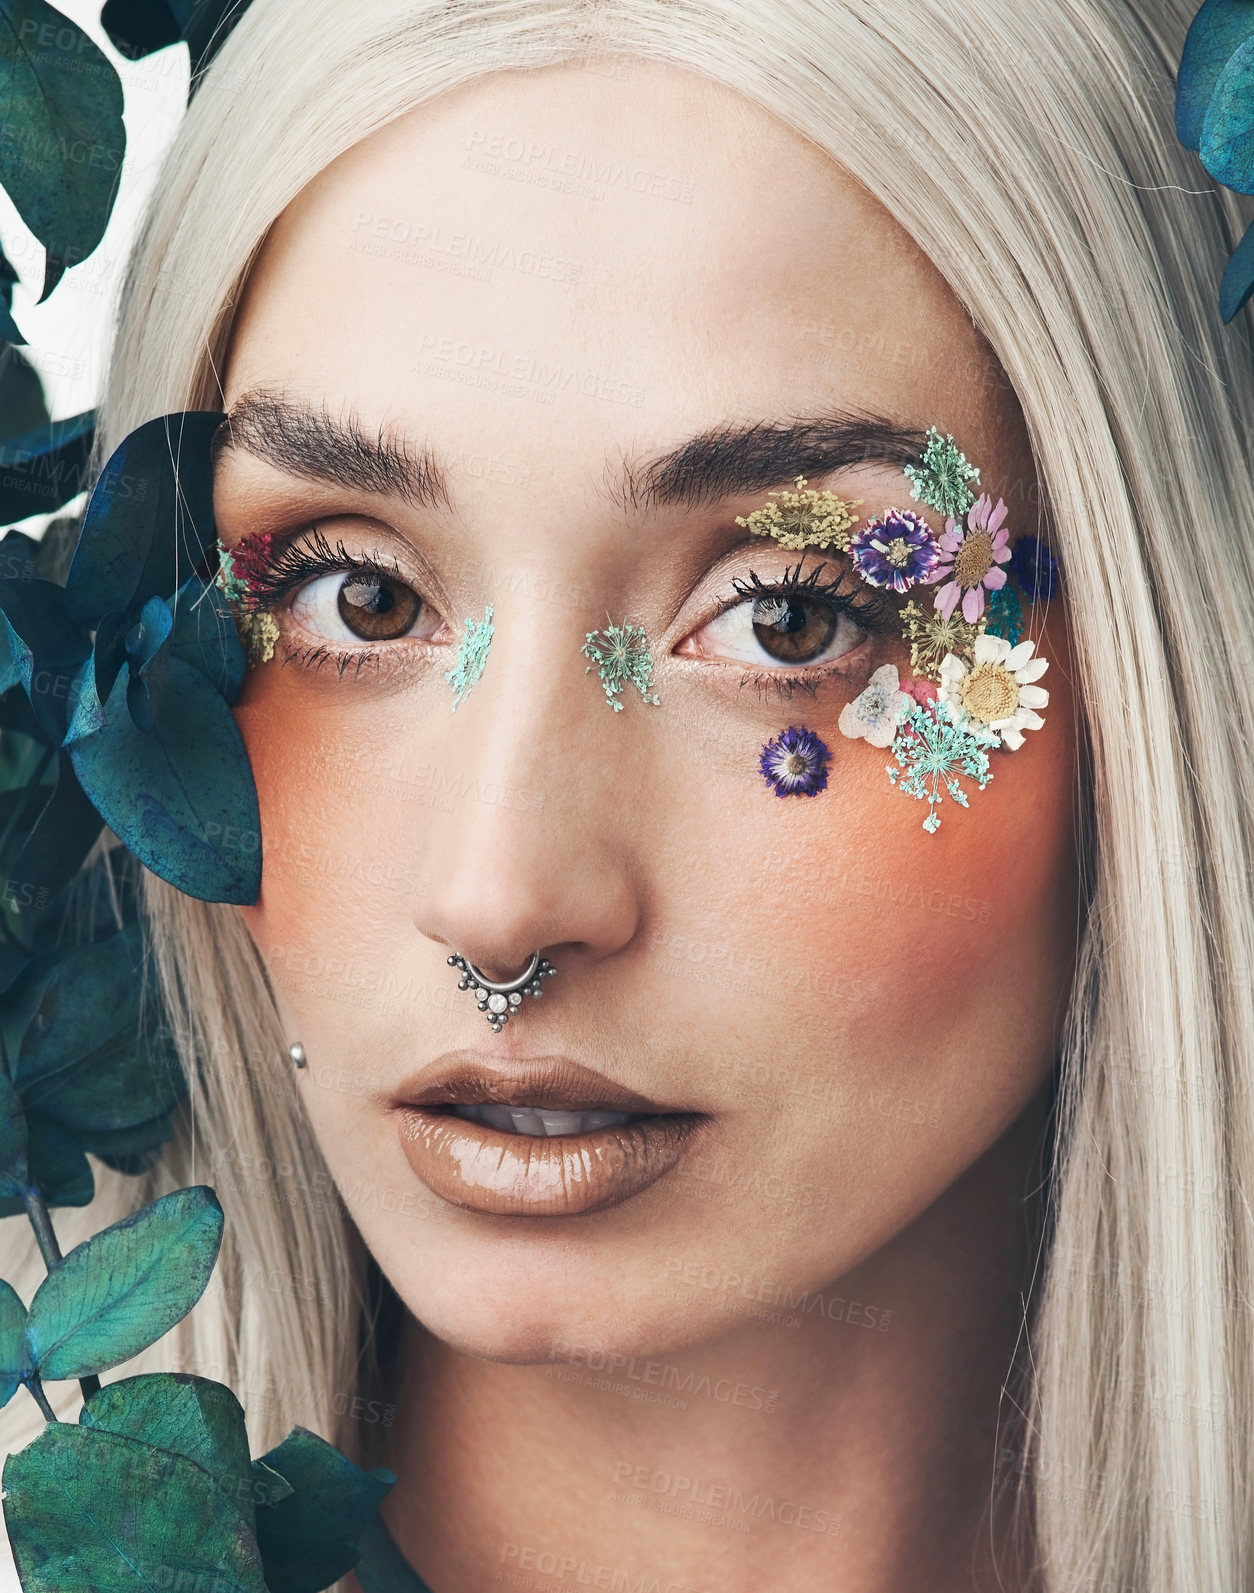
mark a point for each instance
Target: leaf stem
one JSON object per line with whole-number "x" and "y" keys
{"x": 40, "y": 1398}
{"x": 41, "y": 1222}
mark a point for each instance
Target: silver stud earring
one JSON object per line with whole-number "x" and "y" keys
{"x": 297, "y": 1053}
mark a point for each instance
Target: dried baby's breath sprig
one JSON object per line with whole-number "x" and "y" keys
{"x": 931, "y": 636}
{"x": 622, "y": 658}
{"x": 941, "y": 476}
{"x": 804, "y": 518}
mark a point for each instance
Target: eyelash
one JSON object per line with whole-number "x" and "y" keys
{"x": 300, "y": 561}
{"x": 305, "y": 559}
{"x": 868, "y": 607}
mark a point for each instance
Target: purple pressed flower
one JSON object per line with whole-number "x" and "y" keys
{"x": 1035, "y": 567}
{"x": 795, "y": 763}
{"x": 971, "y": 559}
{"x": 895, "y": 551}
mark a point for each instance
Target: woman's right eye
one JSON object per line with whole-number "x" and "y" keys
{"x": 364, "y": 606}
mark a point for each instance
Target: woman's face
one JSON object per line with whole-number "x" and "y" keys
{"x": 536, "y": 346}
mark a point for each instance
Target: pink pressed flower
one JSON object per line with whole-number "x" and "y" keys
{"x": 971, "y": 559}
{"x": 923, "y": 691}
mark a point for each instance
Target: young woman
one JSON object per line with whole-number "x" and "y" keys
{"x": 864, "y": 1204}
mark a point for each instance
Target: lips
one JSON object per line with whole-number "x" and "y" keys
{"x": 545, "y": 1136}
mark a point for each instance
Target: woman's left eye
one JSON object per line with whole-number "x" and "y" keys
{"x": 364, "y": 606}
{"x": 781, "y": 628}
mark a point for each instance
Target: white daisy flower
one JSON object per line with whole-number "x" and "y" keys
{"x": 873, "y": 715}
{"x": 998, "y": 688}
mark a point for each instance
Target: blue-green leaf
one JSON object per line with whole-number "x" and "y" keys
{"x": 1238, "y": 278}
{"x": 205, "y": 636}
{"x": 190, "y": 1415}
{"x": 43, "y": 469}
{"x": 90, "y": 1511}
{"x": 1218, "y": 30}
{"x": 138, "y": 27}
{"x": 180, "y": 797}
{"x": 133, "y": 1149}
{"x": 83, "y": 1059}
{"x": 125, "y": 1287}
{"x": 149, "y": 520}
{"x": 9, "y": 329}
{"x": 382, "y": 1567}
{"x": 1227, "y": 147}
{"x": 57, "y": 1165}
{"x": 13, "y": 1175}
{"x": 64, "y": 93}
{"x": 58, "y": 841}
{"x": 44, "y": 646}
{"x": 14, "y": 1359}
{"x": 310, "y": 1539}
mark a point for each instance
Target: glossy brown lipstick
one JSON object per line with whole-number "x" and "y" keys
{"x": 539, "y": 1169}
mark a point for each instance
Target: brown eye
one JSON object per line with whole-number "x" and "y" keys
{"x": 377, "y": 608}
{"x": 794, "y": 629}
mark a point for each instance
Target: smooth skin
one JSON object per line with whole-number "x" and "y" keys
{"x": 821, "y": 1304}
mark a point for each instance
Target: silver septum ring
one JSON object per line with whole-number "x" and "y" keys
{"x": 500, "y": 999}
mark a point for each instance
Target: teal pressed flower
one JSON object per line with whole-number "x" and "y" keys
{"x": 472, "y": 655}
{"x": 941, "y": 477}
{"x": 934, "y": 748}
{"x": 622, "y": 658}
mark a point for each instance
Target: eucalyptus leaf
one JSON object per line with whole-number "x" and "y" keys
{"x": 129, "y": 1150}
{"x": 83, "y": 1058}
{"x": 58, "y": 842}
{"x": 181, "y": 796}
{"x": 206, "y": 637}
{"x": 147, "y": 657}
{"x": 45, "y": 646}
{"x": 138, "y": 27}
{"x": 42, "y": 470}
{"x": 149, "y": 520}
{"x": 14, "y": 1360}
{"x": 1218, "y": 30}
{"x": 125, "y": 1287}
{"x": 193, "y": 1416}
{"x": 13, "y": 1174}
{"x": 91, "y": 1511}
{"x": 9, "y": 329}
{"x": 1227, "y": 147}
{"x": 57, "y": 1168}
{"x": 57, "y": 1164}
{"x": 309, "y": 1540}
{"x": 64, "y": 93}
{"x": 382, "y": 1567}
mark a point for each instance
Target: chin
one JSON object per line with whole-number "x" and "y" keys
{"x": 516, "y": 1316}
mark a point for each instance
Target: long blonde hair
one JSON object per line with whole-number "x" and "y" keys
{"x": 1028, "y": 147}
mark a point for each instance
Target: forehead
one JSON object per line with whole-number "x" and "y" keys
{"x": 616, "y": 249}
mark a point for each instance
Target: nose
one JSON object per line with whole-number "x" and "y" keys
{"x": 538, "y": 855}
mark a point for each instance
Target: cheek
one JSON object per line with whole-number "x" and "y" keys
{"x": 339, "y": 845}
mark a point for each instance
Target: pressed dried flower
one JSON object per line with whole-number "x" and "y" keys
{"x": 804, "y": 518}
{"x": 941, "y": 477}
{"x": 622, "y": 658}
{"x": 472, "y": 655}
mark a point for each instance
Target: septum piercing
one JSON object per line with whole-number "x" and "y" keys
{"x": 500, "y": 999}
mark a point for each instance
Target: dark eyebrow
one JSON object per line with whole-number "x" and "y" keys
{"x": 314, "y": 443}
{"x": 750, "y": 458}
{"x": 707, "y": 468}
